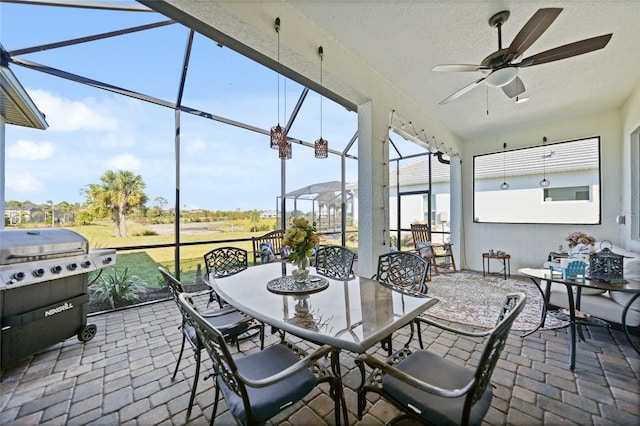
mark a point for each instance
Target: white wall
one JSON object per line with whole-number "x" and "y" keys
{"x": 529, "y": 244}
{"x": 630, "y": 207}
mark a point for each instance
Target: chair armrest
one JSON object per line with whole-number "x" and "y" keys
{"x": 453, "y": 329}
{"x": 201, "y": 292}
{"x": 289, "y": 371}
{"x": 218, "y": 312}
{"x": 410, "y": 380}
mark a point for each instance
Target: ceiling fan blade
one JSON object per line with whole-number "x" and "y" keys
{"x": 566, "y": 51}
{"x": 532, "y": 30}
{"x": 462, "y": 91}
{"x": 513, "y": 89}
{"x": 458, "y": 68}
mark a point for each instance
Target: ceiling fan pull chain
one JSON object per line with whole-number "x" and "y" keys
{"x": 487, "y": 87}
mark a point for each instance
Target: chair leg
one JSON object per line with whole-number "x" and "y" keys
{"x": 261, "y": 336}
{"x": 179, "y": 357}
{"x": 195, "y": 383}
{"x": 406, "y": 345}
{"x": 215, "y": 402}
{"x": 387, "y": 345}
{"x": 419, "y": 334}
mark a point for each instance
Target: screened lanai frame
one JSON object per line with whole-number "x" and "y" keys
{"x": 13, "y": 57}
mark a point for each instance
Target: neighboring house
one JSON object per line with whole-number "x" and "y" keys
{"x": 414, "y": 194}
{"x": 19, "y": 216}
{"x": 268, "y": 214}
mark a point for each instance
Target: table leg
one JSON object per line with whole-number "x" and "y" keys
{"x": 624, "y": 322}
{"x": 504, "y": 268}
{"x": 483, "y": 260}
{"x": 335, "y": 369}
{"x": 545, "y": 302}
{"x": 572, "y": 328}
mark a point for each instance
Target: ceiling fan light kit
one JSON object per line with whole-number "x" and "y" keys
{"x": 502, "y": 71}
{"x": 501, "y": 77}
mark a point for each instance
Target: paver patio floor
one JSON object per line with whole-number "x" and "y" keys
{"x": 123, "y": 376}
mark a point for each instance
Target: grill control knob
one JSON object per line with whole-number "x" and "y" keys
{"x": 107, "y": 260}
{"x": 18, "y": 276}
{"x": 72, "y": 266}
{"x": 86, "y": 264}
{"x": 56, "y": 269}
{"x": 38, "y": 272}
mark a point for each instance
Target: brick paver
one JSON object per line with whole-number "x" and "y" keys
{"x": 123, "y": 376}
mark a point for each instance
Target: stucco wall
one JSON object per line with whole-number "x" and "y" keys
{"x": 630, "y": 172}
{"x": 529, "y": 244}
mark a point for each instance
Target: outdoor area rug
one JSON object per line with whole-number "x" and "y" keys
{"x": 468, "y": 298}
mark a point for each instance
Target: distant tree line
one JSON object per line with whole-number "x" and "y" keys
{"x": 118, "y": 196}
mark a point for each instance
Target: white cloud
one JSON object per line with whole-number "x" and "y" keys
{"x": 68, "y": 115}
{"x": 195, "y": 147}
{"x": 24, "y": 182}
{"x": 29, "y": 150}
{"x": 122, "y": 162}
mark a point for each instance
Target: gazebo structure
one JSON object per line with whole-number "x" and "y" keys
{"x": 332, "y": 205}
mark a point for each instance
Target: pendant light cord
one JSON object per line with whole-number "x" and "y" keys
{"x": 321, "y": 52}
{"x": 279, "y": 70}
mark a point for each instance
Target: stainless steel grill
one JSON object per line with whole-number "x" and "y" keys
{"x": 43, "y": 289}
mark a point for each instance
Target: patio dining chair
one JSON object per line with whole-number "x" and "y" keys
{"x": 435, "y": 390}
{"x": 222, "y": 262}
{"x": 234, "y": 325}
{"x": 260, "y": 385}
{"x": 404, "y": 271}
{"x": 335, "y": 262}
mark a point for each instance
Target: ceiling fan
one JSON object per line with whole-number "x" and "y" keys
{"x": 499, "y": 66}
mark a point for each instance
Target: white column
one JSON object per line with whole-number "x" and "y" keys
{"x": 455, "y": 211}
{"x": 373, "y": 182}
{"x": 2, "y": 170}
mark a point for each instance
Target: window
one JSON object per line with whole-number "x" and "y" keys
{"x": 573, "y": 197}
{"x": 574, "y": 193}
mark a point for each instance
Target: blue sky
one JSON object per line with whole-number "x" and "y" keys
{"x": 91, "y": 130}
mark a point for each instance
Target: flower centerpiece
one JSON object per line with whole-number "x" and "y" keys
{"x": 580, "y": 245}
{"x": 576, "y": 238}
{"x": 301, "y": 238}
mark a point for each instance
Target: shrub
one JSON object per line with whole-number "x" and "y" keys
{"x": 118, "y": 287}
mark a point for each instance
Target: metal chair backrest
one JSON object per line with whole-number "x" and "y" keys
{"x": 214, "y": 342}
{"x": 175, "y": 286}
{"x": 335, "y": 262}
{"x": 513, "y": 305}
{"x": 225, "y": 261}
{"x": 403, "y": 269}
{"x": 176, "y": 289}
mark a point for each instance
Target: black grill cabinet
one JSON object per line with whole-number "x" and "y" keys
{"x": 44, "y": 290}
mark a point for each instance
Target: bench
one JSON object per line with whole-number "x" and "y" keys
{"x": 274, "y": 238}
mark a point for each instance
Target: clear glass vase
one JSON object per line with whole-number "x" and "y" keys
{"x": 301, "y": 272}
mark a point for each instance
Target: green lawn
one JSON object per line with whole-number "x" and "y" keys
{"x": 144, "y": 263}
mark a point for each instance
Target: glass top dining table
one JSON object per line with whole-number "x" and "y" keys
{"x": 351, "y": 314}
{"x": 540, "y": 275}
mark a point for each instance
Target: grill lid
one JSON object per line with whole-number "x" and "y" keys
{"x": 23, "y": 245}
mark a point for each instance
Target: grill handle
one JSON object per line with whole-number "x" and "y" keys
{"x": 50, "y": 253}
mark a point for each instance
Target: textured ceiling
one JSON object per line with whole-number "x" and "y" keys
{"x": 397, "y": 43}
{"x": 402, "y": 41}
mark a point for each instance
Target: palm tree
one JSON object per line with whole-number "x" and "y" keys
{"x": 119, "y": 193}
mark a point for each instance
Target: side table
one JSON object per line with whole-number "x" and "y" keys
{"x": 504, "y": 258}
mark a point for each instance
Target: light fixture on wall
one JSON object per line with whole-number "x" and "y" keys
{"x": 321, "y": 146}
{"x": 504, "y": 185}
{"x": 279, "y": 134}
{"x": 544, "y": 183}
